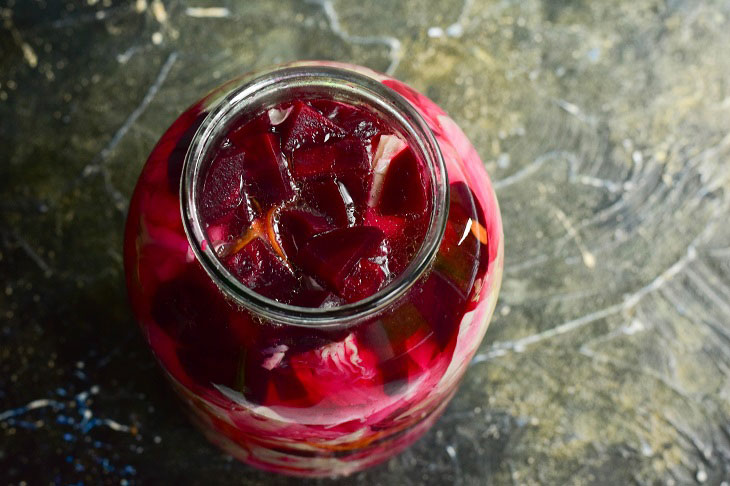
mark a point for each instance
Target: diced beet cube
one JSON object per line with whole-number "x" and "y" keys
{"x": 296, "y": 227}
{"x": 314, "y": 161}
{"x": 364, "y": 129}
{"x": 460, "y": 248}
{"x": 392, "y": 226}
{"x": 271, "y": 387}
{"x": 195, "y": 315}
{"x": 181, "y": 304}
{"x": 404, "y": 237}
{"x": 328, "y": 108}
{"x": 356, "y": 121}
{"x": 457, "y": 260}
{"x": 311, "y": 294}
{"x": 253, "y": 380}
{"x": 351, "y": 156}
{"x": 265, "y": 177}
{"x": 231, "y": 225}
{"x": 332, "y": 199}
{"x": 436, "y": 311}
{"x": 241, "y": 132}
{"x": 403, "y": 191}
{"x": 462, "y": 207}
{"x": 222, "y": 188}
{"x": 288, "y": 390}
{"x": 211, "y": 365}
{"x": 363, "y": 281}
{"x": 336, "y": 158}
{"x": 306, "y": 126}
{"x": 258, "y": 268}
{"x": 357, "y": 187}
{"x": 331, "y": 256}
{"x": 400, "y": 339}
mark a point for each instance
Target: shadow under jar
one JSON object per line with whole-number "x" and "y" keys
{"x": 313, "y": 391}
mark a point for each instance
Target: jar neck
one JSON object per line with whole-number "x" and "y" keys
{"x": 267, "y": 89}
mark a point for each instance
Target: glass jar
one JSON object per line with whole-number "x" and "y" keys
{"x": 313, "y": 391}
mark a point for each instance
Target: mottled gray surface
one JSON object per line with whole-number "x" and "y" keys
{"x": 604, "y": 124}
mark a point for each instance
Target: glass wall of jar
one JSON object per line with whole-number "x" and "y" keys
{"x": 313, "y": 391}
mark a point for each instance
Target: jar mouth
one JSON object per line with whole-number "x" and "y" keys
{"x": 263, "y": 89}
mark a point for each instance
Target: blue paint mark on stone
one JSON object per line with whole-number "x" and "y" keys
{"x": 594, "y": 54}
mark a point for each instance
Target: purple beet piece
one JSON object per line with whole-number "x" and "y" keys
{"x": 441, "y": 298}
{"x": 258, "y": 268}
{"x": 264, "y": 386}
{"x": 356, "y": 121}
{"x": 265, "y": 178}
{"x": 332, "y": 199}
{"x": 231, "y": 225}
{"x": 180, "y": 305}
{"x": 357, "y": 187}
{"x": 222, "y": 188}
{"x": 403, "y": 192}
{"x": 463, "y": 206}
{"x": 366, "y": 279}
{"x": 332, "y": 255}
{"x": 306, "y": 126}
{"x": 311, "y": 294}
{"x": 296, "y": 227}
{"x": 250, "y": 127}
{"x": 328, "y": 108}
{"x": 335, "y": 158}
{"x": 194, "y": 314}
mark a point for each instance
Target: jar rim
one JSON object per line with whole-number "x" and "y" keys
{"x": 249, "y": 93}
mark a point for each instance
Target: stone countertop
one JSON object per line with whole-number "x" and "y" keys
{"x": 605, "y": 126}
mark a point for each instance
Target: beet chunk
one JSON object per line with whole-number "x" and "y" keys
{"x": 439, "y": 312}
{"x": 332, "y": 199}
{"x": 357, "y": 187}
{"x": 332, "y": 255}
{"x": 306, "y": 126}
{"x": 296, "y": 227}
{"x": 265, "y": 177}
{"x": 404, "y": 192}
{"x": 222, "y": 188}
{"x": 193, "y": 314}
{"x": 258, "y": 268}
{"x": 336, "y": 158}
{"x": 241, "y": 132}
{"x": 357, "y": 121}
{"x": 366, "y": 279}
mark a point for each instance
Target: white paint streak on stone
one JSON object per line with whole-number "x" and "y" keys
{"x": 207, "y": 12}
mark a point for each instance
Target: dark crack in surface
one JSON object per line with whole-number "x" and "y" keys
{"x": 604, "y": 125}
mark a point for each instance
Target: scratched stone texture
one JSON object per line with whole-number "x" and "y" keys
{"x": 605, "y": 126}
